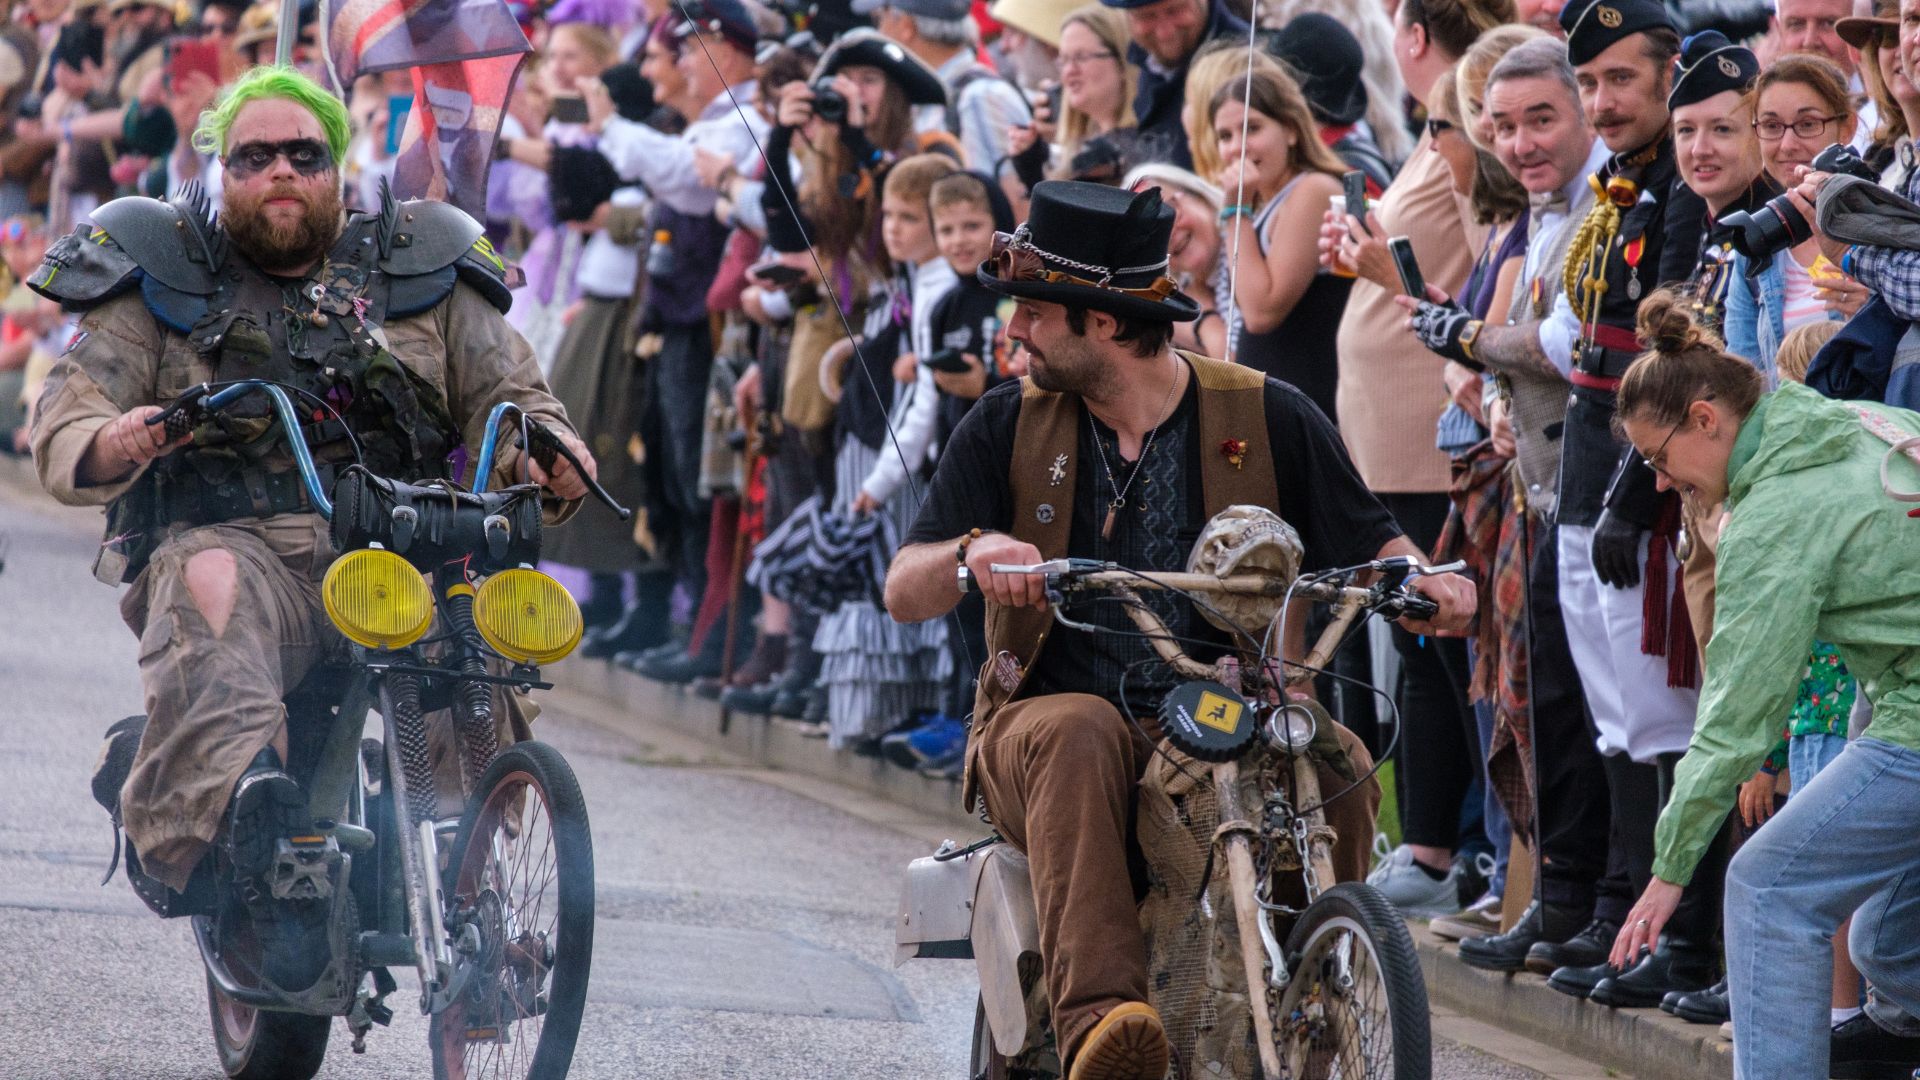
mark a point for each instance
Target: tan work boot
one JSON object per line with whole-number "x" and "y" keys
{"x": 1127, "y": 1044}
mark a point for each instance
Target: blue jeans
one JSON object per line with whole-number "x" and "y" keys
{"x": 1809, "y": 755}
{"x": 1846, "y": 845}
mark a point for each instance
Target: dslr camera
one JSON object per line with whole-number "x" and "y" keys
{"x": 829, "y": 104}
{"x": 1777, "y": 226}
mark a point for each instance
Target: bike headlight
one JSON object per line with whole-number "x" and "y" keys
{"x": 377, "y": 599}
{"x": 527, "y": 617}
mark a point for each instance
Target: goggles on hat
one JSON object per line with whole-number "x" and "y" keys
{"x": 1014, "y": 258}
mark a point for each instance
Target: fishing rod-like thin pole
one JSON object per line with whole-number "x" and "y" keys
{"x": 288, "y": 30}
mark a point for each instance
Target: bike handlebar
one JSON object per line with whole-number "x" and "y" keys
{"x": 186, "y": 411}
{"x": 1388, "y": 597}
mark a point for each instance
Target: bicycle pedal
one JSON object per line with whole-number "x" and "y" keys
{"x": 303, "y": 868}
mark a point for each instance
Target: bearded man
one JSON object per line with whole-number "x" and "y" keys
{"x": 388, "y": 327}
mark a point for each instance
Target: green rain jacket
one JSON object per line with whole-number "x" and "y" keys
{"x": 1812, "y": 548}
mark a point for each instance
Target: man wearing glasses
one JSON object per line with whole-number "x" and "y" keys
{"x": 1116, "y": 447}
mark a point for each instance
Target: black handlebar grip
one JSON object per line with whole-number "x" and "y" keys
{"x": 546, "y": 447}
{"x": 1415, "y": 605}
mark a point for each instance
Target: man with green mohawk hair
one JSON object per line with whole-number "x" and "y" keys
{"x": 392, "y": 319}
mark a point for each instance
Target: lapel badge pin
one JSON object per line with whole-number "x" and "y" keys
{"x": 1057, "y": 472}
{"x": 1044, "y": 513}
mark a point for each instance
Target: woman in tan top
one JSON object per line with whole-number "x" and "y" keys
{"x": 1390, "y": 396}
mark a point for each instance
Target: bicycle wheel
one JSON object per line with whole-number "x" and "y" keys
{"x": 522, "y": 875}
{"x": 1356, "y": 1007}
{"x": 257, "y": 1044}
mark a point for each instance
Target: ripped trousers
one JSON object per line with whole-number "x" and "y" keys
{"x": 215, "y": 662}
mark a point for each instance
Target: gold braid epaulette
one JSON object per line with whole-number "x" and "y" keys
{"x": 1585, "y": 274}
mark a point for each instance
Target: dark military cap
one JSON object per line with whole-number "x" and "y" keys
{"x": 1709, "y": 64}
{"x": 1593, "y": 26}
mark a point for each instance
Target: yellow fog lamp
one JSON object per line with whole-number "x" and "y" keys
{"x": 527, "y": 617}
{"x": 377, "y": 599}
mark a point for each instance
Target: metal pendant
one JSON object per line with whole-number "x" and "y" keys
{"x": 1633, "y": 285}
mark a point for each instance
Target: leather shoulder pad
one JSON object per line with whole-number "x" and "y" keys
{"x": 158, "y": 237}
{"x": 427, "y": 235}
{"x": 84, "y": 268}
{"x": 483, "y": 268}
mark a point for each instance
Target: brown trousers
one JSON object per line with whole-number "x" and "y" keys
{"x": 1058, "y": 775}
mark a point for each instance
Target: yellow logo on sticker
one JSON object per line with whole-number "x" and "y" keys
{"x": 1218, "y": 713}
{"x": 485, "y": 247}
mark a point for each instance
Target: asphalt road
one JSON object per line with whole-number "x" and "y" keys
{"x": 744, "y": 918}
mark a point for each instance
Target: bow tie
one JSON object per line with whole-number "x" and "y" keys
{"x": 1550, "y": 203}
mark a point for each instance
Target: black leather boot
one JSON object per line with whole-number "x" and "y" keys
{"x": 1508, "y": 951}
{"x": 803, "y": 670}
{"x": 689, "y": 666}
{"x": 1641, "y": 986}
{"x": 666, "y": 650}
{"x": 645, "y": 623}
{"x": 1709, "y": 1006}
{"x": 1588, "y": 947}
{"x": 268, "y": 806}
{"x": 1580, "y": 981}
{"x": 605, "y": 602}
{"x": 1863, "y": 1050}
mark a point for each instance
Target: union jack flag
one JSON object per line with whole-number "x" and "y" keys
{"x": 463, "y": 56}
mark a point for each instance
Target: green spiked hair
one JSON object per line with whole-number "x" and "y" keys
{"x": 264, "y": 83}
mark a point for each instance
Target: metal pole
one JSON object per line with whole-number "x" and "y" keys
{"x": 288, "y": 31}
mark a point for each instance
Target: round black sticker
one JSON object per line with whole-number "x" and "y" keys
{"x": 1207, "y": 721}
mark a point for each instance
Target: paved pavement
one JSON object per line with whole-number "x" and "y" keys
{"x": 745, "y": 917}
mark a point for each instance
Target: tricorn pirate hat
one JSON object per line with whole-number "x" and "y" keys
{"x": 1093, "y": 246}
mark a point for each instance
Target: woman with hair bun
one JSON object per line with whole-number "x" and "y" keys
{"x": 1698, "y": 416}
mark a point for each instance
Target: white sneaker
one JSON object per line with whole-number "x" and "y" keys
{"x": 1481, "y": 919}
{"x": 1726, "y": 1030}
{"x": 1410, "y": 888}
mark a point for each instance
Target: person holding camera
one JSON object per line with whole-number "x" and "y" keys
{"x": 1801, "y": 105}
{"x": 979, "y": 106}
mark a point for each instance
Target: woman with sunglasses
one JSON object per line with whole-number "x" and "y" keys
{"x": 1884, "y": 73}
{"x": 1800, "y": 107}
{"x": 1701, "y": 419}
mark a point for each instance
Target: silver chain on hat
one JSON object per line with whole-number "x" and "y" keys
{"x": 1022, "y": 238}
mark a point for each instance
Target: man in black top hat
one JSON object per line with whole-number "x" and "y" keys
{"x": 1114, "y": 447}
{"x": 1643, "y": 233}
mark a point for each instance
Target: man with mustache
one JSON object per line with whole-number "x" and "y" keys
{"x": 388, "y": 328}
{"x": 1643, "y": 232}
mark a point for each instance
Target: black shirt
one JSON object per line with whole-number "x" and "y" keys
{"x": 1340, "y": 522}
{"x": 966, "y": 319}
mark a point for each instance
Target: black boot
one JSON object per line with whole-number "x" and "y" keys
{"x": 1709, "y": 1006}
{"x": 666, "y": 650}
{"x": 1588, "y": 947}
{"x": 689, "y": 666}
{"x": 268, "y": 806}
{"x": 803, "y": 670}
{"x": 1508, "y": 951}
{"x": 1580, "y": 981}
{"x": 1863, "y": 1050}
{"x": 644, "y": 623}
{"x": 605, "y": 601}
{"x": 1645, "y": 983}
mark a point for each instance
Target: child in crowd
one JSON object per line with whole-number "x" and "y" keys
{"x": 967, "y": 210}
{"x": 880, "y": 673}
{"x": 1816, "y": 731}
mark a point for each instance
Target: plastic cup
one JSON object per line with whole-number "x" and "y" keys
{"x": 1338, "y": 203}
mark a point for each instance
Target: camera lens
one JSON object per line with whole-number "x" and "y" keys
{"x": 829, "y": 104}
{"x": 1767, "y": 231}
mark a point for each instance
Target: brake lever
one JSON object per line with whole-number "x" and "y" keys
{"x": 547, "y": 446}
{"x": 184, "y": 414}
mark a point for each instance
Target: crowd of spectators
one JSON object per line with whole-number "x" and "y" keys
{"x": 749, "y": 234}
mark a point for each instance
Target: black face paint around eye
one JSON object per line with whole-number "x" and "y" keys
{"x": 309, "y": 157}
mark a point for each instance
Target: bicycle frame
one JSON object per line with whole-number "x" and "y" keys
{"x": 1310, "y": 834}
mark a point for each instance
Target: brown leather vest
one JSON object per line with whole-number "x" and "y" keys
{"x": 1232, "y": 405}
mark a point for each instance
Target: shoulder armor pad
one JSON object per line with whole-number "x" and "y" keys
{"x": 83, "y": 268}
{"x": 482, "y": 267}
{"x": 160, "y": 238}
{"x": 426, "y": 235}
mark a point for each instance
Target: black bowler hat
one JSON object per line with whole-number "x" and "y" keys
{"x": 875, "y": 49}
{"x": 1094, "y": 246}
{"x": 1709, "y": 64}
{"x": 1327, "y": 58}
{"x": 1593, "y": 26}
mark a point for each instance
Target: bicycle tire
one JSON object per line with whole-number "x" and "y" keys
{"x": 565, "y": 944}
{"x": 259, "y": 1044}
{"x": 1354, "y": 920}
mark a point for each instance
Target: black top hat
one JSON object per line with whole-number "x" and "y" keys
{"x": 1089, "y": 245}
{"x": 1593, "y": 26}
{"x": 1327, "y": 58}
{"x": 874, "y": 49}
{"x": 1709, "y": 64}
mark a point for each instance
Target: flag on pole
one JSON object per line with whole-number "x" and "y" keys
{"x": 463, "y": 56}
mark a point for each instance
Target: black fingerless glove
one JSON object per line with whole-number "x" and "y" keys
{"x": 1447, "y": 330}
